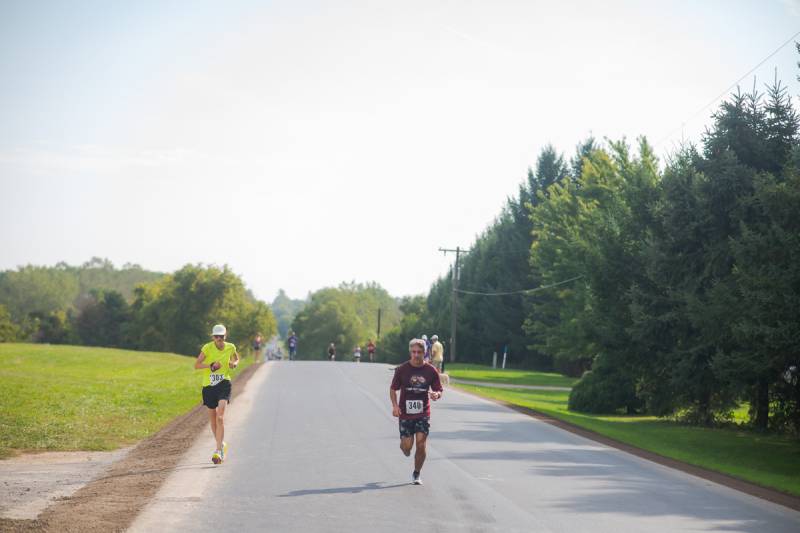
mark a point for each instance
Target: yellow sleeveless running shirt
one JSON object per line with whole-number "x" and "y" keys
{"x": 212, "y": 354}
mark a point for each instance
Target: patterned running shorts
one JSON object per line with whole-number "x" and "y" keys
{"x": 418, "y": 425}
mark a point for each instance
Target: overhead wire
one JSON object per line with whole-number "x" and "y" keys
{"x": 670, "y": 134}
{"x": 521, "y": 291}
{"x": 728, "y": 90}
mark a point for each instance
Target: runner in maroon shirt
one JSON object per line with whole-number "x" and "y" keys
{"x": 418, "y": 382}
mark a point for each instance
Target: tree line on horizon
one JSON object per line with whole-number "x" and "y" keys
{"x": 96, "y": 304}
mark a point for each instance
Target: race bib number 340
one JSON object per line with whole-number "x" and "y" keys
{"x": 216, "y": 378}
{"x": 414, "y": 407}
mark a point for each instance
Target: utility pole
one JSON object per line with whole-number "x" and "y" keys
{"x": 454, "y": 305}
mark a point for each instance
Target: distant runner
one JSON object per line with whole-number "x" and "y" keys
{"x": 332, "y": 352}
{"x": 371, "y": 350}
{"x": 437, "y": 353}
{"x": 292, "y": 342}
{"x": 427, "y": 357}
{"x": 418, "y": 382}
{"x": 357, "y": 354}
{"x": 257, "y": 341}
{"x": 222, "y": 357}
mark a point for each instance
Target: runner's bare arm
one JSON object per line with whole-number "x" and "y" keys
{"x": 393, "y": 398}
{"x": 198, "y": 364}
{"x": 234, "y": 360}
{"x": 436, "y": 388}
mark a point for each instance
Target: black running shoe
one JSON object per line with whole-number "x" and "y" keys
{"x": 415, "y": 479}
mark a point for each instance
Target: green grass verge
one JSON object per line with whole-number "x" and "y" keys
{"x": 768, "y": 460}
{"x": 79, "y": 398}
{"x": 515, "y": 377}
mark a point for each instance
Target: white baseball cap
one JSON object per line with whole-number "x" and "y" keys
{"x": 219, "y": 329}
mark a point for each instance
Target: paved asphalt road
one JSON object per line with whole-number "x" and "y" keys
{"x": 314, "y": 448}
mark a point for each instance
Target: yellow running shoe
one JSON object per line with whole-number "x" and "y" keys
{"x": 217, "y": 457}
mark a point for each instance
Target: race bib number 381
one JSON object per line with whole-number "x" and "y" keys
{"x": 216, "y": 378}
{"x": 414, "y": 407}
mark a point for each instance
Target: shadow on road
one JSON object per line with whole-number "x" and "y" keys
{"x": 603, "y": 481}
{"x": 342, "y": 490}
{"x": 444, "y": 406}
{"x": 514, "y": 431}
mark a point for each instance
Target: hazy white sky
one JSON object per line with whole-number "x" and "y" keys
{"x": 308, "y": 143}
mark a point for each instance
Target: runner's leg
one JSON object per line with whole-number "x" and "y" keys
{"x": 212, "y": 415}
{"x": 406, "y": 443}
{"x": 220, "y": 417}
{"x": 420, "y": 454}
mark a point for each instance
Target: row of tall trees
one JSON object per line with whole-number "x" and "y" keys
{"x": 499, "y": 262}
{"x": 173, "y": 313}
{"x": 673, "y": 291}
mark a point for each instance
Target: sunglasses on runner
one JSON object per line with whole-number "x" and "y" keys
{"x": 417, "y": 351}
{"x": 218, "y": 336}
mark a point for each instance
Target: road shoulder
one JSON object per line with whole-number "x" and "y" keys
{"x": 766, "y": 493}
{"x": 189, "y": 481}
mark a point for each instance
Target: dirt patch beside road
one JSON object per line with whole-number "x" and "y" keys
{"x": 112, "y": 501}
{"x": 32, "y": 481}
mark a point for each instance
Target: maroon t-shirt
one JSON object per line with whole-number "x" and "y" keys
{"x": 413, "y": 383}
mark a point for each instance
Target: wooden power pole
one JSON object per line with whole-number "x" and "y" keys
{"x": 454, "y": 304}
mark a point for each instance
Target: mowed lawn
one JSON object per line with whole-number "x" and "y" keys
{"x": 769, "y": 460}
{"x": 79, "y": 398}
{"x": 513, "y": 377}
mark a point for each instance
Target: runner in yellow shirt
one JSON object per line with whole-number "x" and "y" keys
{"x": 222, "y": 357}
{"x": 437, "y": 353}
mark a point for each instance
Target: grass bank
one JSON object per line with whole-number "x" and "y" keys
{"x": 80, "y": 398}
{"x": 768, "y": 460}
{"x": 513, "y": 377}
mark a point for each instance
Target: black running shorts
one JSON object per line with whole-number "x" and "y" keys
{"x": 220, "y": 391}
{"x": 418, "y": 425}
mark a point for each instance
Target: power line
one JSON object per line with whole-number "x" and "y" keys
{"x": 522, "y": 291}
{"x": 728, "y": 90}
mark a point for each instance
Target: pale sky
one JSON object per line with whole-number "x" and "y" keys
{"x": 309, "y": 143}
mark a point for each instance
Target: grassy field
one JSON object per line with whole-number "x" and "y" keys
{"x": 79, "y": 398}
{"x": 516, "y": 377}
{"x": 772, "y": 461}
